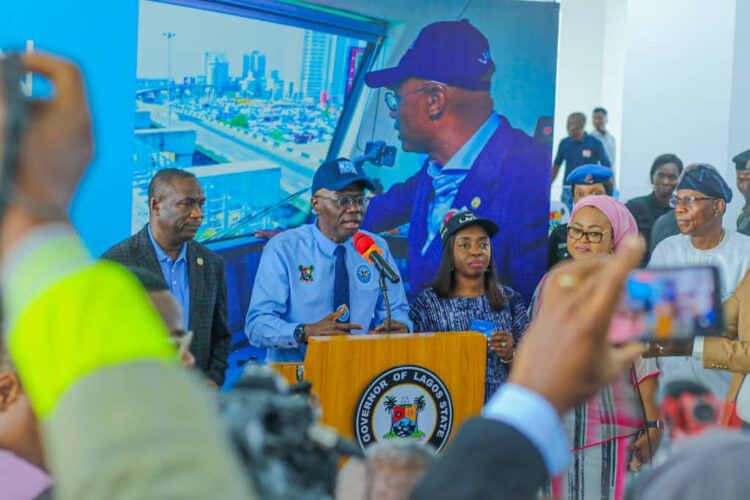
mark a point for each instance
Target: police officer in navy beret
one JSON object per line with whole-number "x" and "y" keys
{"x": 586, "y": 180}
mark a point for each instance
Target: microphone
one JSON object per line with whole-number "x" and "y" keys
{"x": 329, "y": 439}
{"x": 367, "y": 248}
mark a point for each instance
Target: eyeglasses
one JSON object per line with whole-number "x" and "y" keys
{"x": 687, "y": 201}
{"x": 181, "y": 339}
{"x": 392, "y": 99}
{"x": 591, "y": 236}
{"x": 346, "y": 200}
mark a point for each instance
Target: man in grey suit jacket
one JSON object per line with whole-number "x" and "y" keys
{"x": 193, "y": 273}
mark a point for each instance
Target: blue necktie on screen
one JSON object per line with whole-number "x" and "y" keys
{"x": 445, "y": 183}
{"x": 341, "y": 283}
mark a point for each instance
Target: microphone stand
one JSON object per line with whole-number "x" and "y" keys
{"x": 387, "y": 300}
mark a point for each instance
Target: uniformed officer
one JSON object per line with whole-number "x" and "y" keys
{"x": 742, "y": 165}
{"x": 312, "y": 282}
{"x": 586, "y": 180}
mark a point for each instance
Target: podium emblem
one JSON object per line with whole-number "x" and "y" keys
{"x": 406, "y": 402}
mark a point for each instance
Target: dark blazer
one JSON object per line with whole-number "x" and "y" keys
{"x": 486, "y": 460}
{"x": 508, "y": 183}
{"x": 208, "y": 297}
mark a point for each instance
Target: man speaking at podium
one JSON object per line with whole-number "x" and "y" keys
{"x": 311, "y": 280}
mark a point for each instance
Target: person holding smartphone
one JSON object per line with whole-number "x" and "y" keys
{"x": 466, "y": 293}
{"x": 618, "y": 429}
{"x": 700, "y": 203}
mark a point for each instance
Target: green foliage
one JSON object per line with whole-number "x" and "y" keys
{"x": 239, "y": 120}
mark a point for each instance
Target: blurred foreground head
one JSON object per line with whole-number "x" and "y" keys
{"x": 389, "y": 472}
{"x": 19, "y": 427}
{"x": 710, "y": 465}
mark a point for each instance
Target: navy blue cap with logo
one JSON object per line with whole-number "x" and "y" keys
{"x": 450, "y": 52}
{"x": 589, "y": 174}
{"x": 337, "y": 174}
{"x": 455, "y": 221}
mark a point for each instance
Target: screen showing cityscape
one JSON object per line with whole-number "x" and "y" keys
{"x": 249, "y": 106}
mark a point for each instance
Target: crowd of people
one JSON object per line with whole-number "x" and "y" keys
{"x": 107, "y": 366}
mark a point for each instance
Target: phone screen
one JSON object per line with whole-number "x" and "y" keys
{"x": 669, "y": 304}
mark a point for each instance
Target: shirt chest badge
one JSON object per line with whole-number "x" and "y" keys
{"x": 306, "y": 273}
{"x": 586, "y": 153}
{"x": 364, "y": 275}
{"x": 475, "y": 202}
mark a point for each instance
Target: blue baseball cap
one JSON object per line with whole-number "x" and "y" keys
{"x": 337, "y": 174}
{"x": 450, "y": 52}
{"x": 589, "y": 174}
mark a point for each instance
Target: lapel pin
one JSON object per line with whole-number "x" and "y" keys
{"x": 199, "y": 260}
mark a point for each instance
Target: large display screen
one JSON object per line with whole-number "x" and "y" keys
{"x": 249, "y": 106}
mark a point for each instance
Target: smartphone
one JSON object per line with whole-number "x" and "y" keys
{"x": 482, "y": 326}
{"x": 12, "y": 120}
{"x": 669, "y": 304}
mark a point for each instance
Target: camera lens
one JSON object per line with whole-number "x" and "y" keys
{"x": 704, "y": 413}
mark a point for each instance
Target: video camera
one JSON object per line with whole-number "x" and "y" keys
{"x": 286, "y": 454}
{"x": 378, "y": 153}
{"x": 689, "y": 408}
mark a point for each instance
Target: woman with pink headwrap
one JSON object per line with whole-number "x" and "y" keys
{"x": 617, "y": 430}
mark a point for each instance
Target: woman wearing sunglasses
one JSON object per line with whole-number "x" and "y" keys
{"x": 619, "y": 429}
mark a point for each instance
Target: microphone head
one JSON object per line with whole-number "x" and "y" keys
{"x": 362, "y": 242}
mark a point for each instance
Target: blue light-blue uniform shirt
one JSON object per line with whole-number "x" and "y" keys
{"x": 294, "y": 285}
{"x": 534, "y": 417}
{"x": 175, "y": 273}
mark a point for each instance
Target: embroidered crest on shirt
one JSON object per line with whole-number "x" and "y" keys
{"x": 305, "y": 273}
{"x": 586, "y": 153}
{"x": 364, "y": 274}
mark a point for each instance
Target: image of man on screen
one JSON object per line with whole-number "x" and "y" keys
{"x": 439, "y": 97}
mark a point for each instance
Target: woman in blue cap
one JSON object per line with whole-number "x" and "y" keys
{"x": 466, "y": 295}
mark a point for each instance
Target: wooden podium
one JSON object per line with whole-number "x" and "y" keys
{"x": 408, "y": 386}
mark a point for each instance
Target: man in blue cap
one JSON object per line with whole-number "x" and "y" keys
{"x": 586, "y": 180}
{"x": 439, "y": 97}
{"x": 311, "y": 280}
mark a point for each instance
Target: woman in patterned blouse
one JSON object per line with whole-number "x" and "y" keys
{"x": 466, "y": 289}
